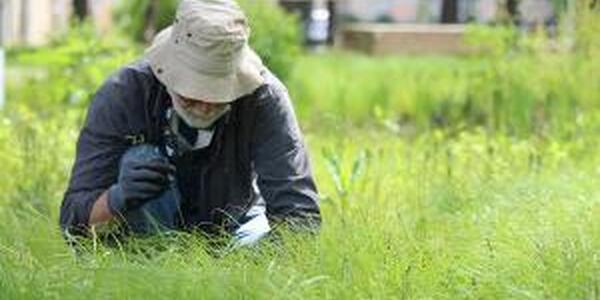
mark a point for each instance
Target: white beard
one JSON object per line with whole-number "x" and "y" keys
{"x": 195, "y": 121}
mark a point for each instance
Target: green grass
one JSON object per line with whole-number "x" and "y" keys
{"x": 543, "y": 93}
{"x": 442, "y": 178}
{"x": 468, "y": 216}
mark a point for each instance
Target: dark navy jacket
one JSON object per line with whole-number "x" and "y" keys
{"x": 257, "y": 141}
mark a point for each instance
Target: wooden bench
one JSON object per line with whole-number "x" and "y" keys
{"x": 386, "y": 39}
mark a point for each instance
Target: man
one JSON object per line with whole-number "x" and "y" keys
{"x": 198, "y": 135}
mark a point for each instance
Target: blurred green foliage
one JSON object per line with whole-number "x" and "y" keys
{"x": 518, "y": 94}
{"x": 68, "y": 71}
{"x": 276, "y": 35}
{"x": 133, "y": 16}
{"x": 492, "y": 41}
{"x": 587, "y": 27}
{"x": 48, "y": 90}
{"x": 512, "y": 82}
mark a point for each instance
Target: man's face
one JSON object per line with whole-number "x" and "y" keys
{"x": 198, "y": 113}
{"x": 200, "y": 108}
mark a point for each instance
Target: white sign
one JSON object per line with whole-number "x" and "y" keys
{"x": 1, "y": 77}
{"x": 1, "y": 54}
{"x": 318, "y": 26}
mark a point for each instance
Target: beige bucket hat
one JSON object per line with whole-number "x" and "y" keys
{"x": 205, "y": 54}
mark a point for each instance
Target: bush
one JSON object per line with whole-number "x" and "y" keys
{"x": 67, "y": 72}
{"x": 491, "y": 41}
{"x": 518, "y": 93}
{"x": 275, "y": 36}
{"x": 587, "y": 21}
{"x": 132, "y": 16}
{"x": 48, "y": 90}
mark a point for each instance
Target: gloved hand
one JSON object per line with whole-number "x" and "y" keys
{"x": 139, "y": 181}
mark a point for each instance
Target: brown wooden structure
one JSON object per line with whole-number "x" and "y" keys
{"x": 385, "y": 39}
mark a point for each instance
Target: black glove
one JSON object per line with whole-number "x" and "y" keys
{"x": 139, "y": 181}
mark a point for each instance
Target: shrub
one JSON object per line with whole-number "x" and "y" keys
{"x": 275, "y": 36}
{"x": 519, "y": 93}
{"x": 47, "y": 92}
{"x": 587, "y": 21}
{"x": 132, "y": 16}
{"x": 67, "y": 72}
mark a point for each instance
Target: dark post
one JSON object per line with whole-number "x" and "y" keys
{"x": 512, "y": 7}
{"x": 24, "y": 23}
{"x": 80, "y": 8}
{"x": 450, "y": 11}
{"x": 151, "y": 20}
{"x": 1, "y": 54}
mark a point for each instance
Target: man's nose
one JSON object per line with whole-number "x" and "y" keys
{"x": 205, "y": 107}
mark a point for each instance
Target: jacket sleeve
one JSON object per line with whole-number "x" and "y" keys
{"x": 100, "y": 146}
{"x": 281, "y": 161}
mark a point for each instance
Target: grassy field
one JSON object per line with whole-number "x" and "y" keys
{"x": 442, "y": 178}
{"x": 468, "y": 217}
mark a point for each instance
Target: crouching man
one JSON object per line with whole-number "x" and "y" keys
{"x": 196, "y": 135}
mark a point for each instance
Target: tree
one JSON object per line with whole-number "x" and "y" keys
{"x": 450, "y": 11}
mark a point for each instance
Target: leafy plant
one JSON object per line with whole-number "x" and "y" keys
{"x": 275, "y": 35}
{"x": 68, "y": 71}
{"x": 140, "y": 18}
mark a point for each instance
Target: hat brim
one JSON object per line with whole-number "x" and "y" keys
{"x": 189, "y": 81}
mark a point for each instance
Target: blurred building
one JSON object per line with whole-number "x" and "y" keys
{"x": 34, "y": 22}
{"x": 397, "y": 11}
{"x": 430, "y": 11}
{"x": 536, "y": 12}
{"x": 421, "y": 11}
{"x": 376, "y": 26}
{"x": 410, "y": 26}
